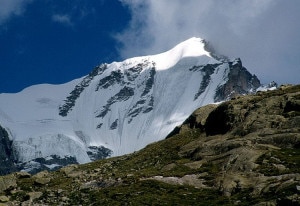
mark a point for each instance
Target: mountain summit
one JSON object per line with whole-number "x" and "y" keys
{"x": 117, "y": 108}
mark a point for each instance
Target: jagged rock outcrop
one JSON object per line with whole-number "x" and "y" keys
{"x": 7, "y": 164}
{"x": 69, "y": 103}
{"x": 240, "y": 82}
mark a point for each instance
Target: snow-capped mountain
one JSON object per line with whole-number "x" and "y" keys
{"x": 118, "y": 108}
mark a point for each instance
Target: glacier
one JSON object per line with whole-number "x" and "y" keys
{"x": 121, "y": 106}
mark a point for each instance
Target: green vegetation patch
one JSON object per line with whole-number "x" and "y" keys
{"x": 149, "y": 192}
{"x": 278, "y": 162}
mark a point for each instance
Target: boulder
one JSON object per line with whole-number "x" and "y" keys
{"x": 8, "y": 182}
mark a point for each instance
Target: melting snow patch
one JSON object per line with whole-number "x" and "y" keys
{"x": 52, "y": 166}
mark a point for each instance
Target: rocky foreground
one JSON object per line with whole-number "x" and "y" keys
{"x": 245, "y": 151}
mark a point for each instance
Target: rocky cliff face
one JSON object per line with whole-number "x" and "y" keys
{"x": 240, "y": 82}
{"x": 7, "y": 164}
{"x": 242, "y": 152}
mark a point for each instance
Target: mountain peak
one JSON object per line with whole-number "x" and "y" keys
{"x": 117, "y": 108}
{"x": 193, "y": 47}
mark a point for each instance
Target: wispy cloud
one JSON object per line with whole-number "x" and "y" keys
{"x": 63, "y": 19}
{"x": 264, "y": 33}
{"x": 9, "y": 8}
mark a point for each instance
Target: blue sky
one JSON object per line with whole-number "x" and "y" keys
{"x": 55, "y": 41}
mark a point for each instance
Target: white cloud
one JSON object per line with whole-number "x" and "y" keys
{"x": 9, "y": 8}
{"x": 63, "y": 19}
{"x": 264, "y": 33}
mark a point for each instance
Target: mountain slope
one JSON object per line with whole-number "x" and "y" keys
{"x": 250, "y": 157}
{"x": 118, "y": 108}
